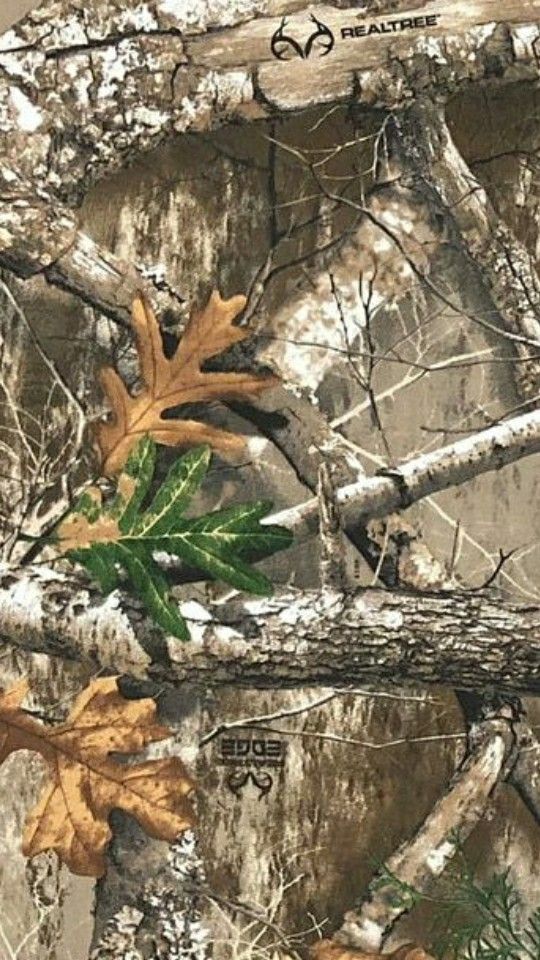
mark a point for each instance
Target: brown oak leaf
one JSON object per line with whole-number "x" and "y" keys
{"x": 331, "y": 950}
{"x": 86, "y": 784}
{"x": 168, "y": 383}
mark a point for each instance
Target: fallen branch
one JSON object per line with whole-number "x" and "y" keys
{"x": 297, "y": 638}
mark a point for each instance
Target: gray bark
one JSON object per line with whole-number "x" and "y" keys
{"x": 217, "y": 66}
{"x": 470, "y": 640}
{"x": 113, "y": 107}
{"x": 159, "y": 916}
{"x": 404, "y": 485}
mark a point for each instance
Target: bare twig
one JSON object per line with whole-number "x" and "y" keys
{"x": 306, "y": 708}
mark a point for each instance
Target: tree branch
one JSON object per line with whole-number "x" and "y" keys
{"x": 427, "y": 156}
{"x": 191, "y": 80}
{"x": 424, "y": 857}
{"x": 128, "y": 77}
{"x": 40, "y": 235}
{"x": 332, "y": 570}
{"x": 293, "y": 639}
{"x": 430, "y": 473}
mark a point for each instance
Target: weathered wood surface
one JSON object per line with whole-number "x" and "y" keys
{"x": 373, "y": 67}
{"x": 123, "y": 77}
{"x": 89, "y": 93}
{"x": 221, "y": 95}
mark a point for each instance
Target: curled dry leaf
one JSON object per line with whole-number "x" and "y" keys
{"x": 331, "y": 950}
{"x": 168, "y": 383}
{"x": 86, "y": 784}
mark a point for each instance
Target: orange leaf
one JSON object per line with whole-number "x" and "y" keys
{"x": 168, "y": 383}
{"x": 85, "y": 784}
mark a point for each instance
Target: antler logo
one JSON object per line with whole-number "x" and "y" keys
{"x": 320, "y": 42}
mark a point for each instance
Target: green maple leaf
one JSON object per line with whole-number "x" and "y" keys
{"x": 123, "y": 536}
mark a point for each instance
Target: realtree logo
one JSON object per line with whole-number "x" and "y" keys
{"x": 285, "y": 47}
{"x": 385, "y": 27}
{"x": 239, "y": 751}
{"x": 253, "y": 754}
{"x": 321, "y": 40}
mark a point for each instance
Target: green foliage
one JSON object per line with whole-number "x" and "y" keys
{"x": 399, "y": 894}
{"x": 473, "y": 919}
{"x": 122, "y": 536}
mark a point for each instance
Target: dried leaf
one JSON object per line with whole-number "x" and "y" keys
{"x": 331, "y": 950}
{"x": 85, "y": 784}
{"x": 77, "y": 532}
{"x": 168, "y": 383}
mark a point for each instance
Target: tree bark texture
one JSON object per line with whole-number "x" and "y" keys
{"x": 99, "y": 59}
{"x": 469, "y": 640}
{"x": 118, "y": 81}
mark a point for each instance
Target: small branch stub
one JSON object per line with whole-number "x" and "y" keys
{"x": 332, "y": 557}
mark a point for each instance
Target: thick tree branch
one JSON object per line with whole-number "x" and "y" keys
{"x": 40, "y": 235}
{"x": 125, "y": 77}
{"x": 160, "y": 916}
{"x": 421, "y": 145}
{"x": 167, "y": 75}
{"x": 429, "y": 161}
{"x": 471, "y": 640}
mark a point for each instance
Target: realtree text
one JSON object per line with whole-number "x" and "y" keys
{"x": 389, "y": 26}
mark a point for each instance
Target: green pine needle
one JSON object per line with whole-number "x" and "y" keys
{"x": 472, "y": 919}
